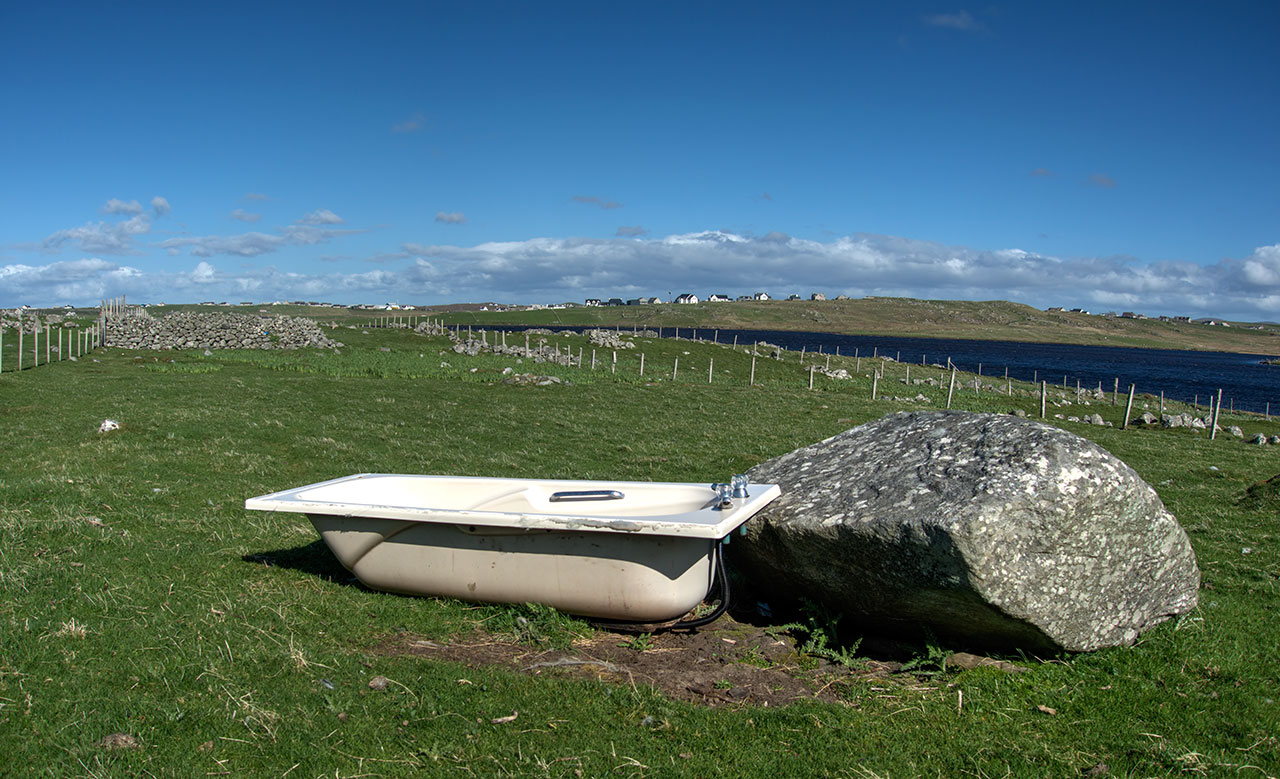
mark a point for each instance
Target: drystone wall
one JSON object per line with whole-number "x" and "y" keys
{"x": 137, "y": 329}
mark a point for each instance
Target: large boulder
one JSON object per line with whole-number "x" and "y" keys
{"x": 988, "y": 528}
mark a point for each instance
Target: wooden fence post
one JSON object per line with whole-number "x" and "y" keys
{"x": 951, "y": 390}
{"x": 875, "y": 383}
{"x": 811, "y": 370}
{"x": 1217, "y": 409}
{"x": 613, "y": 367}
{"x": 752, "y": 381}
{"x": 711, "y": 367}
{"x": 1044, "y": 398}
{"x": 1116, "y": 392}
{"x": 675, "y": 369}
{"x": 1128, "y": 409}
{"x": 642, "y": 364}
{"x": 593, "y": 361}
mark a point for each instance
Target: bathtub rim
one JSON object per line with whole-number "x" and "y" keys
{"x": 689, "y": 524}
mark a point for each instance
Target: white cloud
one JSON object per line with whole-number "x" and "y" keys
{"x": 321, "y": 216}
{"x": 245, "y": 216}
{"x": 451, "y": 217}
{"x": 203, "y": 273}
{"x": 244, "y": 245}
{"x": 410, "y": 125}
{"x": 160, "y": 205}
{"x": 254, "y": 196}
{"x": 102, "y": 237}
{"x": 254, "y": 243}
{"x": 633, "y": 231}
{"x": 116, "y": 206}
{"x": 960, "y": 20}
{"x": 548, "y": 269}
{"x": 592, "y": 200}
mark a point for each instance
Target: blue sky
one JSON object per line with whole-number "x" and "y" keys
{"x": 1104, "y": 155}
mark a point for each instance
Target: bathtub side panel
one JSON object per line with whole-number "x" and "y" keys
{"x": 620, "y": 576}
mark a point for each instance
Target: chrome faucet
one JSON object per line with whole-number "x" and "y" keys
{"x": 724, "y": 495}
{"x": 739, "y": 484}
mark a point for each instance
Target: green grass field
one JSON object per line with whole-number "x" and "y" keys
{"x": 140, "y": 597}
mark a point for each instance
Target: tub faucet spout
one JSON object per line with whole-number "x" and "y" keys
{"x": 724, "y": 495}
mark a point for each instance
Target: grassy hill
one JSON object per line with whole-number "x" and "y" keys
{"x": 982, "y": 320}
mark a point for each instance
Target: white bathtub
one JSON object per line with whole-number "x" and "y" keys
{"x": 631, "y": 551}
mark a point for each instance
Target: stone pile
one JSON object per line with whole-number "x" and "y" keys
{"x": 1186, "y": 420}
{"x": 609, "y": 339}
{"x": 195, "y": 330}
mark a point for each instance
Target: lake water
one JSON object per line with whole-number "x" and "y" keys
{"x": 1246, "y": 382}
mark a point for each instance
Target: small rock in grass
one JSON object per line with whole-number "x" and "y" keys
{"x": 119, "y": 741}
{"x": 108, "y": 425}
{"x": 378, "y": 683}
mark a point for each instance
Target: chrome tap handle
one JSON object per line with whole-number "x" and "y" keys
{"x": 739, "y": 484}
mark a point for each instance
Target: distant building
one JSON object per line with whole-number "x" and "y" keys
{"x": 615, "y": 301}
{"x": 687, "y": 298}
{"x": 593, "y": 302}
{"x": 760, "y": 296}
{"x": 717, "y": 298}
{"x": 793, "y": 297}
{"x": 817, "y": 296}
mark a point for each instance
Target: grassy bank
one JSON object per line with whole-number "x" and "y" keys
{"x": 987, "y": 320}
{"x": 140, "y": 598}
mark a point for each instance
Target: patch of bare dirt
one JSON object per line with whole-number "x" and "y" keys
{"x": 726, "y": 663}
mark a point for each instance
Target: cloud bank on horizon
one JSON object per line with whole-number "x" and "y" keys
{"x": 560, "y": 269}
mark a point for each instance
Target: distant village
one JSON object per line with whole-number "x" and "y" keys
{"x": 684, "y": 299}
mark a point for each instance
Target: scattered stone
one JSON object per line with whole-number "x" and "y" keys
{"x": 996, "y": 530}
{"x": 108, "y": 425}
{"x": 967, "y": 662}
{"x": 1259, "y": 439}
{"x": 1235, "y": 431}
{"x": 119, "y": 741}
{"x": 378, "y": 683}
{"x": 531, "y": 379}
{"x": 1148, "y": 418}
{"x": 1275, "y": 439}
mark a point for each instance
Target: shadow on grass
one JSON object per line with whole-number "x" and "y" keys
{"x": 314, "y": 559}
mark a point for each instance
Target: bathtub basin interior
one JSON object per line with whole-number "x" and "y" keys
{"x": 661, "y": 508}
{"x": 629, "y": 551}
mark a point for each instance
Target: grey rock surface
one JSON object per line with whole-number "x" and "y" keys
{"x": 996, "y": 530}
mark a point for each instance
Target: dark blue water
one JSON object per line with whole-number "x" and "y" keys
{"x": 1247, "y": 383}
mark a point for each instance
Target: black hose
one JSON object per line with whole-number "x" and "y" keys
{"x": 642, "y": 627}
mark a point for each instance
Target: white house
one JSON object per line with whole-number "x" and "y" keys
{"x": 714, "y": 298}
{"x": 760, "y": 296}
{"x": 687, "y": 298}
